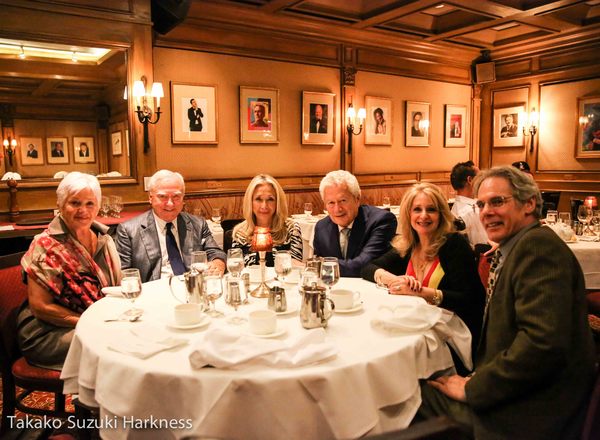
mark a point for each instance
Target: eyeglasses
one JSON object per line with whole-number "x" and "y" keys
{"x": 164, "y": 198}
{"x": 494, "y": 202}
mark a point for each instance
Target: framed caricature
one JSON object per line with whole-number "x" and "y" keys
{"x": 318, "y": 118}
{"x": 378, "y": 130}
{"x": 116, "y": 142}
{"x": 193, "y": 114}
{"x": 508, "y": 125}
{"x": 31, "y": 151}
{"x": 84, "y": 150}
{"x": 259, "y": 115}
{"x": 57, "y": 150}
{"x": 455, "y": 126}
{"x": 588, "y": 128}
{"x": 416, "y": 124}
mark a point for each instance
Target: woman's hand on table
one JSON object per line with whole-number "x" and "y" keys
{"x": 404, "y": 285}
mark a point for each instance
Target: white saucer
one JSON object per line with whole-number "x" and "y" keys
{"x": 356, "y": 308}
{"x": 289, "y": 311}
{"x": 275, "y": 334}
{"x": 202, "y": 323}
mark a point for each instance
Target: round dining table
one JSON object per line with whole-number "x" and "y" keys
{"x": 370, "y": 386}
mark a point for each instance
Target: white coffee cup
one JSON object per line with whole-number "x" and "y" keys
{"x": 262, "y": 322}
{"x": 187, "y": 314}
{"x": 345, "y": 299}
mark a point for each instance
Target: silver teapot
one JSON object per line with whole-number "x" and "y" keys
{"x": 316, "y": 308}
{"x": 194, "y": 287}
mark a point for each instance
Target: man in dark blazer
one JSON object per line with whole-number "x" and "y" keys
{"x": 535, "y": 364}
{"x": 195, "y": 116}
{"x": 142, "y": 241}
{"x": 352, "y": 232}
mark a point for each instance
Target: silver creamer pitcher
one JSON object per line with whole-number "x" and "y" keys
{"x": 316, "y": 308}
{"x": 194, "y": 287}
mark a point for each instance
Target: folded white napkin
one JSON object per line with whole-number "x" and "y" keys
{"x": 144, "y": 341}
{"x": 230, "y": 348}
{"x": 587, "y": 238}
{"x": 418, "y": 318}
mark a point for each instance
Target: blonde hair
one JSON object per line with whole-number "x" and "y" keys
{"x": 278, "y": 226}
{"x": 408, "y": 238}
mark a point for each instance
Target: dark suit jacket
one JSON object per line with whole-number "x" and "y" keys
{"x": 535, "y": 365}
{"x": 372, "y": 231}
{"x": 194, "y": 117}
{"x": 138, "y": 246}
{"x": 322, "y": 126}
{"x": 463, "y": 292}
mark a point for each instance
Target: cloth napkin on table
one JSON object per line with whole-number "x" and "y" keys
{"x": 144, "y": 341}
{"x": 229, "y": 348}
{"x": 587, "y": 238}
{"x": 419, "y": 318}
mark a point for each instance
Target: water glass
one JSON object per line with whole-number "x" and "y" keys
{"x": 233, "y": 298}
{"x": 131, "y": 288}
{"x": 199, "y": 261}
{"x": 584, "y": 215}
{"x": 330, "y": 271}
{"x": 308, "y": 208}
{"x": 235, "y": 261}
{"x": 116, "y": 204}
{"x": 283, "y": 264}
{"x": 213, "y": 285}
{"x": 104, "y": 206}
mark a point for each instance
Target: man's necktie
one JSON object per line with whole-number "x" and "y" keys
{"x": 492, "y": 279}
{"x": 173, "y": 251}
{"x": 344, "y": 233}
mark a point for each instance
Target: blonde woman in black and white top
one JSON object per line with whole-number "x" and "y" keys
{"x": 265, "y": 205}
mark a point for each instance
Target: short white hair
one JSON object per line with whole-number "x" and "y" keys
{"x": 74, "y": 182}
{"x": 161, "y": 175}
{"x": 340, "y": 177}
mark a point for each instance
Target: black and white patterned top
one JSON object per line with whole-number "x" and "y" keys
{"x": 292, "y": 242}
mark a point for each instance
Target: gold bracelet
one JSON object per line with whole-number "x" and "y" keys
{"x": 438, "y": 297}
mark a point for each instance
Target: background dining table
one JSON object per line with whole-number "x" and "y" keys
{"x": 370, "y": 386}
{"x": 588, "y": 256}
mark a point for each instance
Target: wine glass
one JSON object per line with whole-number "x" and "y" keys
{"x": 235, "y": 261}
{"x": 551, "y": 217}
{"x": 199, "y": 261}
{"x": 104, "y": 206}
{"x": 213, "y": 285}
{"x": 283, "y": 264}
{"x": 308, "y": 208}
{"x": 565, "y": 217}
{"x": 386, "y": 203}
{"x": 584, "y": 214}
{"x": 117, "y": 205}
{"x": 310, "y": 275}
{"x": 330, "y": 271}
{"x": 216, "y": 215}
{"x": 596, "y": 221}
{"x": 233, "y": 298}
{"x": 131, "y": 288}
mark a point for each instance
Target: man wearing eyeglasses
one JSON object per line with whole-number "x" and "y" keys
{"x": 160, "y": 242}
{"x": 535, "y": 365}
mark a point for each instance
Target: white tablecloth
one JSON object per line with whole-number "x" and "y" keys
{"x": 588, "y": 255}
{"x": 370, "y": 387}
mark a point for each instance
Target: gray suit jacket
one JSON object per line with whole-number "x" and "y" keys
{"x": 138, "y": 246}
{"x": 535, "y": 363}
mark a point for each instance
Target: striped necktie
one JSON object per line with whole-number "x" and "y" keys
{"x": 344, "y": 233}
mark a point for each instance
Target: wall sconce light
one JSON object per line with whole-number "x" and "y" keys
{"x": 530, "y": 127}
{"x": 351, "y": 115}
{"x": 10, "y": 145}
{"x": 144, "y": 111}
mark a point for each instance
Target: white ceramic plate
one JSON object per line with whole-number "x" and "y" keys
{"x": 278, "y": 332}
{"x": 356, "y": 308}
{"x": 114, "y": 291}
{"x": 289, "y": 311}
{"x": 202, "y": 323}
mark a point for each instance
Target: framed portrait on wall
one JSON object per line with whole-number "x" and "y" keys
{"x": 83, "y": 149}
{"x": 318, "y": 118}
{"x": 417, "y": 123}
{"x": 259, "y": 115}
{"x": 455, "y": 126}
{"x": 116, "y": 142}
{"x": 588, "y": 128}
{"x": 508, "y": 123}
{"x": 31, "y": 151}
{"x": 378, "y": 129}
{"x": 193, "y": 114}
{"x": 57, "y": 150}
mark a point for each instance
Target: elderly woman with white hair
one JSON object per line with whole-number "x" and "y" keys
{"x": 67, "y": 265}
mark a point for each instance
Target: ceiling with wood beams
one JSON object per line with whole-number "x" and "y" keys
{"x": 501, "y": 26}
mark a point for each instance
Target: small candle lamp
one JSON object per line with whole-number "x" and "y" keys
{"x": 591, "y": 202}
{"x": 262, "y": 242}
